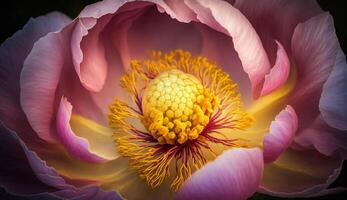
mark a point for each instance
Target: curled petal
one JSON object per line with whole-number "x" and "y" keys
{"x": 279, "y": 73}
{"x": 282, "y": 132}
{"x": 88, "y": 52}
{"x": 80, "y": 146}
{"x": 87, "y": 45}
{"x": 220, "y": 48}
{"x": 13, "y": 52}
{"x": 222, "y": 17}
{"x": 235, "y": 174}
{"x": 39, "y": 80}
{"x": 182, "y": 12}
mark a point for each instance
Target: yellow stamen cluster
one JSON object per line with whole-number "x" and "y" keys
{"x": 177, "y": 107}
{"x": 177, "y": 97}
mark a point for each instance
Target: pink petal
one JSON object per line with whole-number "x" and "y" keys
{"x": 88, "y": 52}
{"x": 182, "y": 12}
{"x": 101, "y": 8}
{"x": 81, "y": 99}
{"x": 277, "y": 19}
{"x": 118, "y": 31}
{"x": 75, "y": 145}
{"x": 170, "y": 34}
{"x": 281, "y": 135}
{"x": 235, "y": 174}
{"x": 279, "y": 72}
{"x": 315, "y": 47}
{"x": 222, "y": 17}
{"x": 117, "y": 55}
{"x": 219, "y": 48}
{"x": 12, "y": 55}
{"x": 301, "y": 173}
{"x": 39, "y": 79}
{"x": 325, "y": 139}
{"x": 332, "y": 103}
{"x": 87, "y": 45}
{"x": 132, "y": 37}
{"x": 111, "y": 89}
{"x": 130, "y": 41}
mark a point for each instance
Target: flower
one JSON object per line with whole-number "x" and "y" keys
{"x": 197, "y": 99}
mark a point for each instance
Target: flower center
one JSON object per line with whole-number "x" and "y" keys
{"x": 176, "y": 107}
{"x": 181, "y": 110}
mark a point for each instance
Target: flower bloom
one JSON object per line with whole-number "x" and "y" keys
{"x": 194, "y": 99}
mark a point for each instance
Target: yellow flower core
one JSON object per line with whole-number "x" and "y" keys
{"x": 177, "y": 107}
{"x": 181, "y": 109}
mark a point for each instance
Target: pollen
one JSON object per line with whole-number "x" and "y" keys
{"x": 182, "y": 109}
{"x": 177, "y": 107}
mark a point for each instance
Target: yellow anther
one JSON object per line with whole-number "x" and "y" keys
{"x": 179, "y": 93}
{"x": 170, "y": 125}
{"x": 166, "y": 120}
{"x": 176, "y": 107}
{"x": 172, "y": 135}
{"x": 184, "y": 118}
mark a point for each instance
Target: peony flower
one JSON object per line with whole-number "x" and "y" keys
{"x": 194, "y": 99}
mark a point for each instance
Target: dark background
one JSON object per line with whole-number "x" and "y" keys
{"x": 16, "y": 13}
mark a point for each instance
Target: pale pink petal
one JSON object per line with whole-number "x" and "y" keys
{"x": 121, "y": 46}
{"x": 222, "y": 17}
{"x": 101, "y": 8}
{"x": 314, "y": 46}
{"x": 182, "y": 12}
{"x": 39, "y": 79}
{"x": 325, "y": 139}
{"x": 77, "y": 146}
{"x": 115, "y": 37}
{"x": 118, "y": 30}
{"x": 300, "y": 173}
{"x": 277, "y": 19}
{"x": 332, "y": 103}
{"x": 88, "y": 52}
{"x": 281, "y": 134}
{"x": 116, "y": 19}
{"x": 169, "y": 35}
{"x": 219, "y": 49}
{"x": 87, "y": 45}
{"x": 132, "y": 37}
{"x": 111, "y": 89}
{"x": 82, "y": 100}
{"x": 235, "y": 174}
{"x": 253, "y": 56}
{"x": 12, "y": 55}
{"x": 279, "y": 72}
{"x": 40, "y": 92}
{"x": 116, "y": 53}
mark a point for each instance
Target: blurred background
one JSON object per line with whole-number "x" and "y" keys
{"x": 15, "y": 13}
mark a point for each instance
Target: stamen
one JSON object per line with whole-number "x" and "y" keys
{"x": 176, "y": 107}
{"x": 183, "y": 103}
